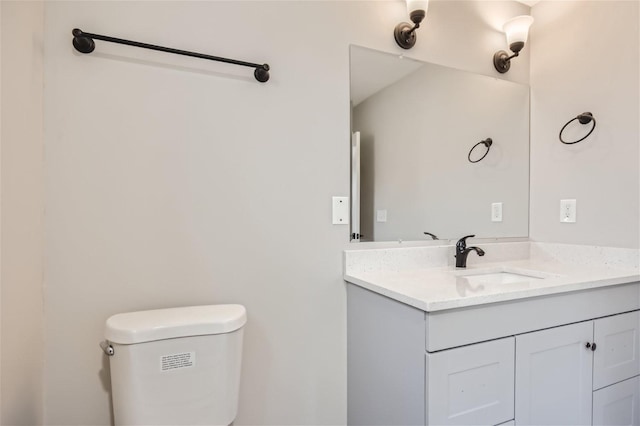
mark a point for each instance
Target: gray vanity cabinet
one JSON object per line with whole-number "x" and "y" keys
{"x": 617, "y": 356}
{"x": 559, "y": 375}
{"x": 393, "y": 380}
{"x": 616, "y": 370}
{"x": 471, "y": 384}
{"x": 553, "y": 376}
{"x": 521, "y": 368}
{"x": 618, "y": 404}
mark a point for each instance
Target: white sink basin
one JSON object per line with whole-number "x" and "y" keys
{"x": 498, "y": 276}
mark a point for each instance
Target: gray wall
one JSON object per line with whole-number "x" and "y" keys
{"x": 169, "y": 181}
{"x": 22, "y": 192}
{"x": 584, "y": 57}
{"x": 183, "y": 184}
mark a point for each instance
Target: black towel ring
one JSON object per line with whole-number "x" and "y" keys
{"x": 487, "y": 142}
{"x": 584, "y": 118}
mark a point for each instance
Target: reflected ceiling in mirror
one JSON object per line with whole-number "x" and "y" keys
{"x": 416, "y": 123}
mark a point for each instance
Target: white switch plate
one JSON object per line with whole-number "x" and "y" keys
{"x": 496, "y": 212}
{"x": 381, "y": 215}
{"x": 340, "y": 210}
{"x": 568, "y": 211}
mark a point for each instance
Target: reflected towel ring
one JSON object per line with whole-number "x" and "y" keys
{"x": 487, "y": 142}
{"x": 584, "y": 118}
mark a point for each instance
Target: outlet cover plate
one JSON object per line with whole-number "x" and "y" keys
{"x": 568, "y": 211}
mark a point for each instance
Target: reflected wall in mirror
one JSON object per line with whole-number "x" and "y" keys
{"x": 416, "y": 124}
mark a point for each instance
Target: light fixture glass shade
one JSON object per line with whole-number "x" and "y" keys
{"x": 415, "y": 5}
{"x": 517, "y": 29}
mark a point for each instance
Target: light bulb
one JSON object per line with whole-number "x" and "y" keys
{"x": 413, "y": 5}
{"x": 517, "y": 30}
{"x": 417, "y": 10}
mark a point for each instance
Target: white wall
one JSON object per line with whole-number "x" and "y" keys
{"x": 584, "y": 57}
{"x": 172, "y": 181}
{"x": 21, "y": 242}
{"x": 0, "y": 216}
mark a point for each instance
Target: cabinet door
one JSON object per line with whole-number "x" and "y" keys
{"x": 472, "y": 384}
{"x": 553, "y": 376}
{"x": 617, "y": 355}
{"x": 618, "y": 404}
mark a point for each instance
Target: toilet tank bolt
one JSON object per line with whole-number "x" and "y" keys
{"x": 106, "y": 348}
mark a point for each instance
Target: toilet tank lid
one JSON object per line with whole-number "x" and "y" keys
{"x": 160, "y": 324}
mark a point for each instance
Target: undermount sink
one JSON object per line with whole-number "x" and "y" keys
{"x": 500, "y": 276}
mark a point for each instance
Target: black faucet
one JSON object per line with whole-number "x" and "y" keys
{"x": 462, "y": 251}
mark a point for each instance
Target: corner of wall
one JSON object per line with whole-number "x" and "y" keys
{"x": 21, "y": 213}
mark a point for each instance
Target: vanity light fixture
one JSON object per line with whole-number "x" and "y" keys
{"x": 517, "y": 30}
{"x": 405, "y": 33}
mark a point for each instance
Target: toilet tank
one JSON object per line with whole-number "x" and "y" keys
{"x": 178, "y": 366}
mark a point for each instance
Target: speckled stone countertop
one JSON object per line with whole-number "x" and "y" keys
{"x": 424, "y": 277}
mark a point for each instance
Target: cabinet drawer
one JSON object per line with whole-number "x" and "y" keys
{"x": 618, "y": 404}
{"x": 617, "y": 355}
{"x": 471, "y": 385}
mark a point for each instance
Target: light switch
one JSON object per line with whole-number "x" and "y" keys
{"x": 381, "y": 215}
{"x": 340, "y": 210}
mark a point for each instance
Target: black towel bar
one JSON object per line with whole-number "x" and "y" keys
{"x": 83, "y": 42}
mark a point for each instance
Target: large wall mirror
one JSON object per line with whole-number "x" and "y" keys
{"x": 414, "y": 124}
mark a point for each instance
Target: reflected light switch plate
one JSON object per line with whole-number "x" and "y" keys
{"x": 381, "y": 215}
{"x": 496, "y": 212}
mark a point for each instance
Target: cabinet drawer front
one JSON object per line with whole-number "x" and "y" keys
{"x": 471, "y": 384}
{"x": 553, "y": 376}
{"x": 618, "y": 404}
{"x": 617, "y": 356}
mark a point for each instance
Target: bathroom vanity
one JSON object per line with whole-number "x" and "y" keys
{"x": 530, "y": 335}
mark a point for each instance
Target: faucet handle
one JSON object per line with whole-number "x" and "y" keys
{"x": 462, "y": 242}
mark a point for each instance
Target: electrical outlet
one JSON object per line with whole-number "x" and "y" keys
{"x": 496, "y": 212}
{"x": 567, "y": 211}
{"x": 381, "y": 215}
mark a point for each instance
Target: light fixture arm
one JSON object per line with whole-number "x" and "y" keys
{"x": 405, "y": 34}
{"x": 502, "y": 60}
{"x": 415, "y": 27}
{"x": 512, "y": 56}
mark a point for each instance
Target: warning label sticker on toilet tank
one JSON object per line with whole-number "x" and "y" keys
{"x": 176, "y": 361}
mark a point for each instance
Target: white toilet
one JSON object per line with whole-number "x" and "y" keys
{"x": 177, "y": 366}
